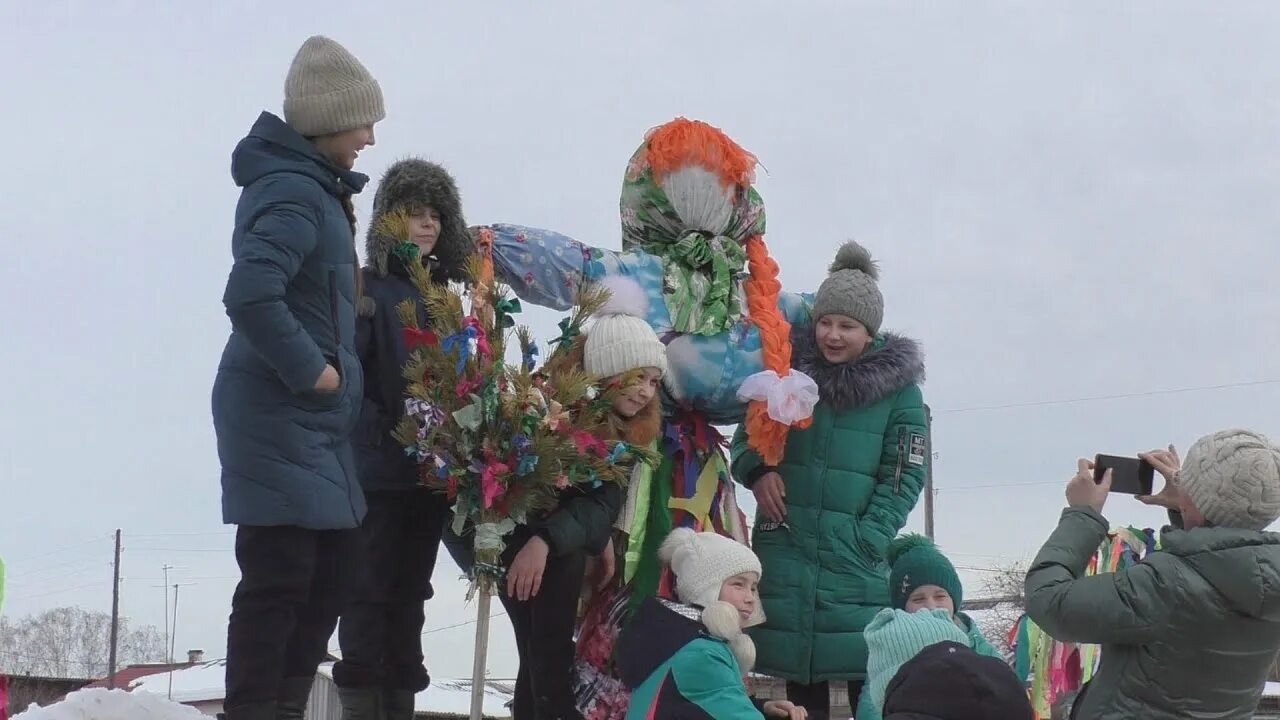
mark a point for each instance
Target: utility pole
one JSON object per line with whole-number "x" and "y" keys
{"x": 174, "y": 639}
{"x": 171, "y": 632}
{"x": 115, "y": 616}
{"x": 166, "y": 568}
{"x": 928, "y": 477}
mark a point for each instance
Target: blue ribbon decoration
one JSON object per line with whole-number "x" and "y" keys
{"x": 531, "y": 356}
{"x": 618, "y": 451}
{"x": 460, "y": 340}
{"x": 527, "y": 464}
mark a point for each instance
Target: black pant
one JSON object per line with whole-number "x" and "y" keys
{"x": 816, "y": 698}
{"x": 285, "y": 607}
{"x": 543, "y": 627}
{"x": 381, "y": 630}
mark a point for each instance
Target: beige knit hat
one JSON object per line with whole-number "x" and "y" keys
{"x": 1233, "y": 478}
{"x": 329, "y": 91}
{"x": 620, "y": 339}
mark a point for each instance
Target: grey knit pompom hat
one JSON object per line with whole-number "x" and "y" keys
{"x": 851, "y": 288}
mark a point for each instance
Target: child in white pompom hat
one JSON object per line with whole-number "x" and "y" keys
{"x": 694, "y": 652}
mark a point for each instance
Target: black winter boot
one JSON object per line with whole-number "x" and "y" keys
{"x": 294, "y": 693}
{"x": 362, "y": 704}
{"x": 398, "y": 704}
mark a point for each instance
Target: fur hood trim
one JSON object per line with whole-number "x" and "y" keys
{"x": 412, "y": 184}
{"x": 890, "y": 364}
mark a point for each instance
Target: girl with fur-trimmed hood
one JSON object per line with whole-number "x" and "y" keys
{"x": 687, "y": 660}
{"x": 843, "y": 489}
{"x": 380, "y": 634}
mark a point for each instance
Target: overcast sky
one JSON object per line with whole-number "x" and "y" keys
{"x": 1075, "y": 200}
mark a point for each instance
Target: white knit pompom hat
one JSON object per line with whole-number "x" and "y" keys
{"x": 1233, "y": 478}
{"x": 702, "y": 562}
{"x": 620, "y": 339}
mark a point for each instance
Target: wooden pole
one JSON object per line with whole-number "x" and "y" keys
{"x": 173, "y": 638}
{"x": 928, "y": 477}
{"x": 115, "y": 617}
{"x": 479, "y": 659}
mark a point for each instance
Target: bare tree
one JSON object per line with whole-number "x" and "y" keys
{"x": 1005, "y": 586}
{"x": 72, "y": 642}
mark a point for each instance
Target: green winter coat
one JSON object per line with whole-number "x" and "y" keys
{"x": 1190, "y": 632}
{"x": 867, "y": 709}
{"x": 851, "y": 480}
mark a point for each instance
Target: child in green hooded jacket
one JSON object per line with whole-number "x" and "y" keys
{"x": 921, "y": 578}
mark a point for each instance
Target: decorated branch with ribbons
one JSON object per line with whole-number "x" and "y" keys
{"x": 502, "y": 441}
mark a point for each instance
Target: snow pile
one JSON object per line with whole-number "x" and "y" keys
{"x": 101, "y": 704}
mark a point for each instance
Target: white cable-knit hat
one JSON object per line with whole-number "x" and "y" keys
{"x": 1233, "y": 478}
{"x": 620, "y": 339}
{"x": 703, "y": 561}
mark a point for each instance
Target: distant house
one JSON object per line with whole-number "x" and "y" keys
{"x": 202, "y": 686}
{"x": 23, "y": 690}
{"x": 126, "y": 676}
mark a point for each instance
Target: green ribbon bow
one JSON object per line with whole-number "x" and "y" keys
{"x": 504, "y": 309}
{"x": 701, "y": 271}
{"x": 407, "y": 252}
{"x": 568, "y": 331}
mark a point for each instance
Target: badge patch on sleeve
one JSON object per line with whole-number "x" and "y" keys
{"x": 917, "y": 453}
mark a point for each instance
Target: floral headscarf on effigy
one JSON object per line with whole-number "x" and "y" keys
{"x": 688, "y": 199}
{"x": 698, "y": 221}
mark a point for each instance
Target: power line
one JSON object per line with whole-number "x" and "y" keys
{"x": 192, "y": 550}
{"x": 67, "y": 589}
{"x": 64, "y": 548}
{"x": 1116, "y": 396}
{"x": 985, "y": 486}
{"x": 77, "y": 567}
{"x": 221, "y": 533}
{"x": 461, "y": 624}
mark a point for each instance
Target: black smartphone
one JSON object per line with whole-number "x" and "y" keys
{"x": 1129, "y": 475}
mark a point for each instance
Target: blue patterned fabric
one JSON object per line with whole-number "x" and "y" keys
{"x": 548, "y": 268}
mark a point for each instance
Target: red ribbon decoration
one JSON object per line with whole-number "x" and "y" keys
{"x": 415, "y": 338}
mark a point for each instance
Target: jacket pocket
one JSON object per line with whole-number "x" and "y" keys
{"x": 857, "y": 551}
{"x": 333, "y": 309}
{"x": 374, "y": 428}
{"x": 332, "y": 399}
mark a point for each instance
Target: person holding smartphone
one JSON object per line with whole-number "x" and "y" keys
{"x": 1192, "y": 630}
{"x": 843, "y": 490}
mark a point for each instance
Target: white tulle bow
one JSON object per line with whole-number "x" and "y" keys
{"x": 790, "y": 398}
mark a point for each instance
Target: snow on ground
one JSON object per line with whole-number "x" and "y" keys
{"x": 452, "y": 697}
{"x": 205, "y": 682}
{"x": 102, "y": 704}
